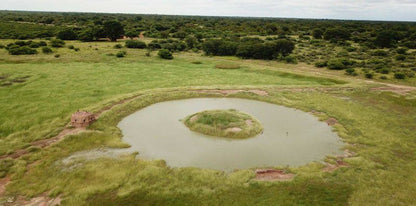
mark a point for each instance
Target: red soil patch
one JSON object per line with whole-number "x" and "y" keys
{"x": 3, "y": 184}
{"x": 331, "y": 121}
{"x": 273, "y": 175}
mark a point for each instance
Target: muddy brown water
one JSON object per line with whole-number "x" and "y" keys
{"x": 290, "y": 138}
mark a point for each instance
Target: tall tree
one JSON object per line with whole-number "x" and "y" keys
{"x": 113, "y": 30}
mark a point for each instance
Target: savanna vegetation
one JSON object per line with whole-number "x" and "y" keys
{"x": 53, "y": 64}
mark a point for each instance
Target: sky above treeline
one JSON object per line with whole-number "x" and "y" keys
{"x": 390, "y": 10}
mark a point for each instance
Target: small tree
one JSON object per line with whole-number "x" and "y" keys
{"x": 165, "y": 54}
{"x": 113, "y": 30}
{"x": 67, "y": 34}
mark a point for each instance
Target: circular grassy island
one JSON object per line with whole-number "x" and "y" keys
{"x": 224, "y": 123}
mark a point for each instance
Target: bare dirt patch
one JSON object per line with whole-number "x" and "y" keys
{"x": 43, "y": 200}
{"x": 233, "y": 91}
{"x": 273, "y": 175}
{"x": 333, "y": 167}
{"x": 3, "y": 184}
{"x": 331, "y": 121}
{"x": 399, "y": 89}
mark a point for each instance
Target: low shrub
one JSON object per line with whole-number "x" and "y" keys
{"x": 380, "y": 53}
{"x": 399, "y": 75}
{"x": 118, "y": 46}
{"x": 321, "y": 64}
{"x": 46, "y": 50}
{"x": 165, "y": 54}
{"x": 57, "y": 43}
{"x": 400, "y": 57}
{"x": 336, "y": 64}
{"x": 402, "y": 50}
{"x": 133, "y": 44}
{"x": 121, "y": 54}
{"x": 369, "y": 75}
{"x": 21, "y": 50}
{"x": 350, "y": 71}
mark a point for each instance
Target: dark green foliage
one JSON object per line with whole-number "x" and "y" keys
{"x": 350, "y": 71}
{"x": 57, "y": 43}
{"x": 15, "y": 49}
{"x": 290, "y": 59}
{"x": 134, "y": 44}
{"x": 46, "y": 50}
{"x": 86, "y": 35}
{"x": 385, "y": 39}
{"x": 336, "y": 64}
{"x": 399, "y": 75}
{"x": 132, "y": 34}
{"x": 121, "y": 54}
{"x": 400, "y": 57}
{"x": 191, "y": 42}
{"x": 369, "y": 75}
{"x": 402, "y": 50}
{"x": 71, "y": 47}
{"x": 165, "y": 54}
{"x": 219, "y": 47}
{"x": 317, "y": 33}
{"x": 57, "y": 55}
{"x": 67, "y": 34}
{"x": 113, "y": 30}
{"x": 321, "y": 64}
{"x": 337, "y": 34}
{"x": 118, "y": 46}
{"x": 380, "y": 53}
{"x": 17, "y": 30}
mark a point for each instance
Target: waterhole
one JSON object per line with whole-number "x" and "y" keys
{"x": 290, "y": 137}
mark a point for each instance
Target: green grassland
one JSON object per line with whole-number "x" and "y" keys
{"x": 378, "y": 127}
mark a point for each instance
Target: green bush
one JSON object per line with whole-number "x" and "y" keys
{"x": 290, "y": 59}
{"x": 321, "y": 64}
{"x": 121, "y": 54}
{"x": 135, "y": 44}
{"x": 400, "y": 57}
{"x": 46, "y": 50}
{"x": 57, "y": 55}
{"x": 67, "y": 34}
{"x": 336, "y": 64}
{"x": 402, "y": 50}
{"x": 350, "y": 71}
{"x": 21, "y": 50}
{"x": 380, "y": 53}
{"x": 57, "y": 43}
{"x": 369, "y": 75}
{"x": 399, "y": 75}
{"x": 165, "y": 54}
{"x": 118, "y": 46}
{"x": 71, "y": 47}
